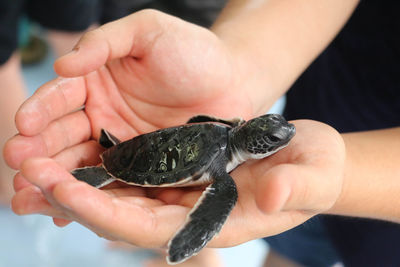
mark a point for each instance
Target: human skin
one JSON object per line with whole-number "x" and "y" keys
{"x": 148, "y": 83}
{"x": 14, "y": 93}
{"x": 371, "y": 176}
{"x": 270, "y": 191}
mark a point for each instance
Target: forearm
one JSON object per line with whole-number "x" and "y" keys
{"x": 372, "y": 175}
{"x": 276, "y": 40}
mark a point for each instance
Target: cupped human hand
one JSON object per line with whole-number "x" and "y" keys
{"x": 275, "y": 194}
{"x": 143, "y": 72}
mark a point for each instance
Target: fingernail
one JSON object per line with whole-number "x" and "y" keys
{"x": 74, "y": 50}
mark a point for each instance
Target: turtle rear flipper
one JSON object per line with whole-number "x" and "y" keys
{"x": 205, "y": 220}
{"x": 95, "y": 176}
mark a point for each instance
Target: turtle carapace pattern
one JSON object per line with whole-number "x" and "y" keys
{"x": 203, "y": 151}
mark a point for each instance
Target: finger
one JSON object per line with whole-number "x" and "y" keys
{"x": 128, "y": 191}
{"x": 143, "y": 226}
{"x": 187, "y": 199}
{"x": 45, "y": 173}
{"x": 296, "y": 187}
{"x": 59, "y": 135}
{"x": 206, "y": 257}
{"x": 161, "y": 262}
{"x": 129, "y": 36}
{"x": 171, "y": 196}
{"x": 123, "y": 246}
{"x": 109, "y": 106}
{"x": 66, "y": 132}
{"x": 51, "y": 101}
{"x": 248, "y": 226}
{"x": 311, "y": 182}
{"x": 142, "y": 201}
{"x": 312, "y": 190}
{"x": 84, "y": 154}
{"x": 272, "y": 192}
{"x": 20, "y": 182}
{"x": 31, "y": 200}
{"x": 60, "y": 222}
{"x": 183, "y": 196}
{"x": 48, "y": 176}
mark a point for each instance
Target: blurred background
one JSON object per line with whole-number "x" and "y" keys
{"x": 33, "y": 240}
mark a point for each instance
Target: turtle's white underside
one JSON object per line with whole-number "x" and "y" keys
{"x": 240, "y": 157}
{"x": 188, "y": 181}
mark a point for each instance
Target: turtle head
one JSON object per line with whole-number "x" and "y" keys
{"x": 263, "y": 136}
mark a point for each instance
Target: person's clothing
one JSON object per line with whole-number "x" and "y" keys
{"x": 72, "y": 15}
{"x": 78, "y": 15}
{"x": 200, "y": 12}
{"x": 354, "y": 85}
{"x": 307, "y": 244}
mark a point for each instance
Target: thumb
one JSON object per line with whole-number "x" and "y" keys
{"x": 130, "y": 36}
{"x": 297, "y": 187}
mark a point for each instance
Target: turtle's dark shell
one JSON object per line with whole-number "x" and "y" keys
{"x": 167, "y": 156}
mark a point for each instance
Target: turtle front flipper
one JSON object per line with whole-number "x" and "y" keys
{"x": 108, "y": 140}
{"x": 205, "y": 220}
{"x": 95, "y": 176}
{"x": 204, "y": 118}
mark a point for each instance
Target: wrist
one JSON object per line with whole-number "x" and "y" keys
{"x": 340, "y": 205}
{"x": 250, "y": 73}
{"x": 370, "y": 183}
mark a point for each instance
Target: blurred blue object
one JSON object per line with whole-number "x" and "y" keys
{"x": 23, "y": 31}
{"x": 40, "y": 73}
{"x": 34, "y": 241}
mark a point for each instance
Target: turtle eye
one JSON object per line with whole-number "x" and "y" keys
{"x": 273, "y": 138}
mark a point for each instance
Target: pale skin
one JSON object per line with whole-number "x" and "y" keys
{"x": 150, "y": 70}
{"x": 14, "y": 92}
{"x": 13, "y": 87}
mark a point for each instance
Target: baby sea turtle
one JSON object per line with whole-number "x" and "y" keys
{"x": 202, "y": 151}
